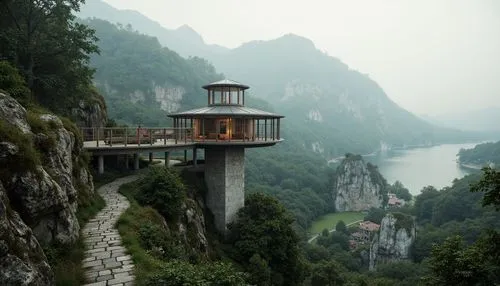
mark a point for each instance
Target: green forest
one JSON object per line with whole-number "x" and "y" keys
{"x": 481, "y": 155}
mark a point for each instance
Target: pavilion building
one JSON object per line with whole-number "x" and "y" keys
{"x": 223, "y": 129}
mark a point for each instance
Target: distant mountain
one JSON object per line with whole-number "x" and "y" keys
{"x": 184, "y": 40}
{"x": 142, "y": 81}
{"x": 330, "y": 108}
{"x": 487, "y": 119}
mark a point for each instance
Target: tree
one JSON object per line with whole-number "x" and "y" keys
{"x": 43, "y": 40}
{"x": 163, "y": 189}
{"x": 490, "y": 185}
{"x": 334, "y": 238}
{"x": 316, "y": 253}
{"x": 341, "y": 227}
{"x": 13, "y": 83}
{"x": 259, "y": 271}
{"x": 453, "y": 263}
{"x": 375, "y": 215}
{"x": 325, "y": 232}
{"x": 328, "y": 274}
{"x": 400, "y": 191}
{"x": 263, "y": 227}
{"x": 424, "y": 203}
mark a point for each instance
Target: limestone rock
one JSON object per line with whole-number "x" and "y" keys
{"x": 14, "y": 113}
{"x": 395, "y": 238}
{"x": 46, "y": 196}
{"x": 90, "y": 114}
{"x": 59, "y": 161}
{"x": 192, "y": 228}
{"x": 358, "y": 186}
{"x": 169, "y": 98}
{"x": 44, "y": 205}
{"x": 22, "y": 261}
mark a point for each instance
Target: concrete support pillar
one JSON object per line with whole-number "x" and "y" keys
{"x": 136, "y": 161}
{"x": 100, "y": 164}
{"x": 225, "y": 180}
{"x": 150, "y": 158}
{"x": 195, "y": 159}
{"x": 185, "y": 156}
{"x": 126, "y": 161}
{"x": 167, "y": 159}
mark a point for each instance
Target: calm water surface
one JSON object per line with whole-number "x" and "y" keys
{"x": 420, "y": 167}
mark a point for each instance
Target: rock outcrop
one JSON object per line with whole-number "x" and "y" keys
{"x": 90, "y": 113}
{"x": 192, "y": 227}
{"x": 22, "y": 261}
{"x": 358, "y": 186}
{"x": 395, "y": 238}
{"x": 44, "y": 177}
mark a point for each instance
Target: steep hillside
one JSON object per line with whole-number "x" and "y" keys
{"x": 143, "y": 81}
{"x": 184, "y": 40}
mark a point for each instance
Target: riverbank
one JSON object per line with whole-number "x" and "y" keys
{"x": 470, "y": 166}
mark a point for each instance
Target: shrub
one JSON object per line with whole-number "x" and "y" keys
{"x": 178, "y": 273}
{"x": 156, "y": 240}
{"x": 162, "y": 188}
{"x": 13, "y": 83}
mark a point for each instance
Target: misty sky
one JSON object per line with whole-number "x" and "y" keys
{"x": 430, "y": 56}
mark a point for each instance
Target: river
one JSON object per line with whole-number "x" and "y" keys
{"x": 420, "y": 167}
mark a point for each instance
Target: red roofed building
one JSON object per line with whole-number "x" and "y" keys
{"x": 394, "y": 201}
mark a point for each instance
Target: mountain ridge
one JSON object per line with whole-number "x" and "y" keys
{"x": 331, "y": 108}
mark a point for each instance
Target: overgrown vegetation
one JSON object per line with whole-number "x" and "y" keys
{"x": 26, "y": 158}
{"x": 51, "y": 51}
{"x": 160, "y": 254}
{"x": 163, "y": 190}
{"x": 156, "y": 69}
{"x": 263, "y": 241}
{"x": 177, "y": 273}
{"x": 481, "y": 155}
{"x": 404, "y": 221}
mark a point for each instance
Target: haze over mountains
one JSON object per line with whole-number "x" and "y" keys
{"x": 330, "y": 108}
{"x": 487, "y": 119}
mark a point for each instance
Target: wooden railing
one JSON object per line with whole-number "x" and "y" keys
{"x": 110, "y": 136}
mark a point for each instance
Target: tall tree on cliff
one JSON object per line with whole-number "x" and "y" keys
{"x": 42, "y": 39}
{"x": 264, "y": 242}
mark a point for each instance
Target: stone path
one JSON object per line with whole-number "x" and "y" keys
{"x": 106, "y": 261}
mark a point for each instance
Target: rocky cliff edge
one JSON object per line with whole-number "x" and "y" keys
{"x": 43, "y": 179}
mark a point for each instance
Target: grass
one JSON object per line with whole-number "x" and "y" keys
{"x": 329, "y": 221}
{"x": 129, "y": 225}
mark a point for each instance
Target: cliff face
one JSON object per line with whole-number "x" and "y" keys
{"x": 43, "y": 174}
{"x": 393, "y": 242}
{"x": 22, "y": 261}
{"x": 91, "y": 113}
{"x": 358, "y": 186}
